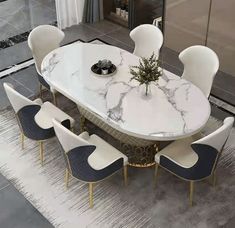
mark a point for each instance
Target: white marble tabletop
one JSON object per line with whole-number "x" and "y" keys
{"x": 176, "y": 109}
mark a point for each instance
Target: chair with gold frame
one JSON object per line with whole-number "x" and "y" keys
{"x": 35, "y": 117}
{"x": 89, "y": 158}
{"x": 42, "y": 40}
{"x": 194, "y": 160}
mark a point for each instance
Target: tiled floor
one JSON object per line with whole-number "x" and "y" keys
{"x": 15, "y": 210}
{"x": 19, "y": 16}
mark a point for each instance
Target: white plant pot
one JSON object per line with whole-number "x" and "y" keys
{"x": 126, "y": 17}
{"x": 118, "y": 11}
{"x": 104, "y": 72}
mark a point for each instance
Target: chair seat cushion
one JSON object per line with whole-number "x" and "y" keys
{"x": 48, "y": 112}
{"x": 104, "y": 154}
{"x": 180, "y": 152}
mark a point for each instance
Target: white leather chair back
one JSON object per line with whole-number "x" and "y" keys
{"x": 200, "y": 66}
{"x": 17, "y": 100}
{"x": 67, "y": 139}
{"x": 218, "y": 138}
{"x": 42, "y": 40}
{"x": 148, "y": 39}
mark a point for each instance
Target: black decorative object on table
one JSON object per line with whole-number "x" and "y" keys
{"x": 104, "y": 68}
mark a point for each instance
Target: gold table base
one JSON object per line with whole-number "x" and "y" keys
{"x": 140, "y": 157}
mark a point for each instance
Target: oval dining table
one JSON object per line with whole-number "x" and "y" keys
{"x": 174, "y": 109}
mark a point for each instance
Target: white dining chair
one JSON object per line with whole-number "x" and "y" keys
{"x": 148, "y": 39}
{"x": 200, "y": 66}
{"x": 194, "y": 160}
{"x": 89, "y": 158}
{"x": 35, "y": 118}
{"x": 42, "y": 40}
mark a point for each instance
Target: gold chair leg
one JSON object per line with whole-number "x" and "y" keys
{"x": 91, "y": 194}
{"x": 40, "y": 90}
{"x": 191, "y": 193}
{"x": 54, "y": 99}
{"x": 125, "y": 175}
{"x": 156, "y": 174}
{"x": 22, "y": 140}
{"x": 67, "y": 175}
{"x": 214, "y": 178}
{"x": 41, "y": 152}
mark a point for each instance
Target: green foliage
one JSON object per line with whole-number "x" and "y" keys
{"x": 148, "y": 71}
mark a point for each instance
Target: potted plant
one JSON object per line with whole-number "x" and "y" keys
{"x": 148, "y": 71}
{"x": 104, "y": 65}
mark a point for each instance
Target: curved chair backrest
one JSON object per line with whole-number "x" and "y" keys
{"x": 17, "y": 100}
{"x": 148, "y": 40}
{"x": 67, "y": 139}
{"x": 42, "y": 40}
{"x": 208, "y": 150}
{"x": 200, "y": 66}
{"x": 218, "y": 138}
{"x": 77, "y": 152}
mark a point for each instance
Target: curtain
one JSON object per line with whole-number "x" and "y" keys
{"x": 93, "y": 11}
{"x": 69, "y": 12}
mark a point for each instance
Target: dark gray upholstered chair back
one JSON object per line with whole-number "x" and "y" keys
{"x": 76, "y": 153}
{"x": 208, "y": 150}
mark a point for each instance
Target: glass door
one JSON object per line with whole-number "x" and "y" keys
{"x": 17, "y": 19}
{"x": 221, "y": 38}
{"x": 204, "y": 22}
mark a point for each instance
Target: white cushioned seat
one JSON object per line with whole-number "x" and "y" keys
{"x": 48, "y": 112}
{"x": 194, "y": 160}
{"x": 104, "y": 154}
{"x": 180, "y": 152}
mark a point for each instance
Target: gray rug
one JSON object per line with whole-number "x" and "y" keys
{"x": 137, "y": 205}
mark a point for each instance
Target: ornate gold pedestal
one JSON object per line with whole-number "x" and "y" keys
{"x": 140, "y": 156}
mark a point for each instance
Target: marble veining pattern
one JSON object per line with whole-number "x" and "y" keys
{"x": 171, "y": 112}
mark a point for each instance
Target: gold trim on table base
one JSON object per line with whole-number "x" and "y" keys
{"x": 140, "y": 156}
{"x": 142, "y": 166}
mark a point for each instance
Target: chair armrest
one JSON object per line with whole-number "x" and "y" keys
{"x": 38, "y": 101}
{"x": 85, "y": 135}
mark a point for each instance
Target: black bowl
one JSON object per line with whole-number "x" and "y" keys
{"x": 95, "y": 69}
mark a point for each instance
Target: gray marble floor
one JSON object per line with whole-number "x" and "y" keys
{"x": 15, "y": 210}
{"x": 19, "y": 16}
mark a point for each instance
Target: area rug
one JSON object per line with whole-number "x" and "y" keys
{"x": 140, "y": 204}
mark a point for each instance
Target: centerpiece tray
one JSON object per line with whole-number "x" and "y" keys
{"x": 96, "y": 70}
